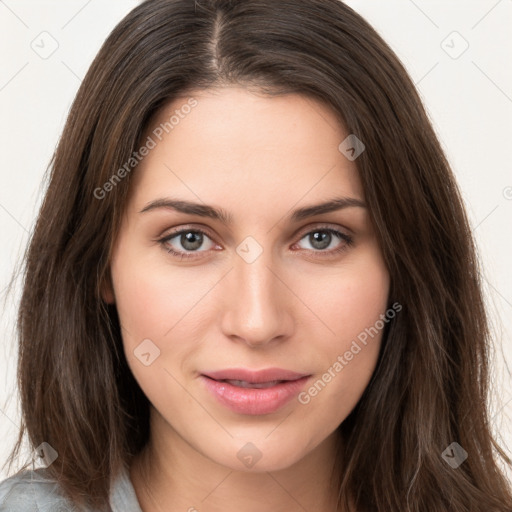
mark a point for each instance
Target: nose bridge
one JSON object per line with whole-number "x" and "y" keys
{"x": 256, "y": 311}
{"x": 256, "y": 283}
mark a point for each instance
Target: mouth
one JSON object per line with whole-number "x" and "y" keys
{"x": 254, "y": 376}
{"x": 252, "y": 385}
{"x": 254, "y": 392}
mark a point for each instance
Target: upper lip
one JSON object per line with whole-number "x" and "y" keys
{"x": 255, "y": 376}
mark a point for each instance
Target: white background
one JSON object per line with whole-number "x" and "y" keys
{"x": 469, "y": 99}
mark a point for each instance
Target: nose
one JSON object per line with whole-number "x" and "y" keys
{"x": 257, "y": 307}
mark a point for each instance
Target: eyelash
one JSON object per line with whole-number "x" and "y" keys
{"x": 348, "y": 242}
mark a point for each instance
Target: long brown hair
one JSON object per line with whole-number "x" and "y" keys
{"x": 430, "y": 387}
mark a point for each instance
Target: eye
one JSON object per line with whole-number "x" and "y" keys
{"x": 181, "y": 242}
{"x": 326, "y": 240}
{"x": 185, "y": 243}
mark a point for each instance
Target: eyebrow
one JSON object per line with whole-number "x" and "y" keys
{"x": 204, "y": 210}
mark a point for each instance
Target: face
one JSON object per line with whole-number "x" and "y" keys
{"x": 222, "y": 269}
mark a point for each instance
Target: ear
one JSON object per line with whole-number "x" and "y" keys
{"x": 106, "y": 289}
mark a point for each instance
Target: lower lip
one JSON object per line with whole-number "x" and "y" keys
{"x": 252, "y": 400}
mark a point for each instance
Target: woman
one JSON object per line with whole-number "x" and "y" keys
{"x": 252, "y": 283}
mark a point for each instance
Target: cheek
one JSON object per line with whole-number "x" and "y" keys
{"x": 151, "y": 296}
{"x": 350, "y": 304}
{"x": 150, "y": 303}
{"x": 349, "y": 300}
{"x": 158, "y": 307}
{"x": 146, "y": 307}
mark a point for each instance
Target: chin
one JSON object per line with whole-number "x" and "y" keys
{"x": 260, "y": 454}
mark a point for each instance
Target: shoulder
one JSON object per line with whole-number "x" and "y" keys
{"x": 32, "y": 491}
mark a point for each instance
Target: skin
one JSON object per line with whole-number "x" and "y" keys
{"x": 294, "y": 307}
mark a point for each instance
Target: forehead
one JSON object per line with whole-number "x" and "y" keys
{"x": 230, "y": 144}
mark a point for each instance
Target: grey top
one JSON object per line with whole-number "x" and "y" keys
{"x": 34, "y": 491}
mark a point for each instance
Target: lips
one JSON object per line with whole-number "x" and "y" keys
{"x": 254, "y": 392}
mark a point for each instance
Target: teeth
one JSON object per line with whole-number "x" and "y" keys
{"x": 257, "y": 385}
